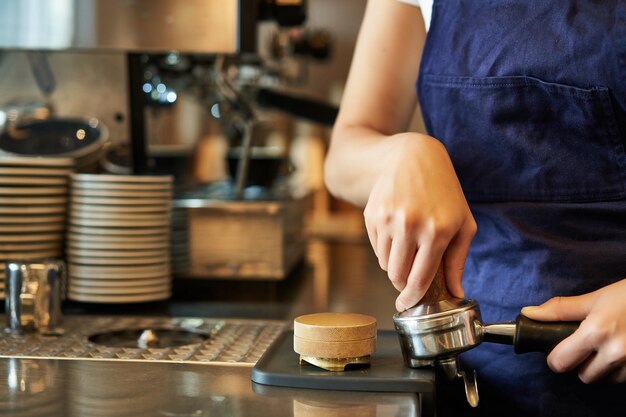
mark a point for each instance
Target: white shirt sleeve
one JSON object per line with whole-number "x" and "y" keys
{"x": 425, "y": 5}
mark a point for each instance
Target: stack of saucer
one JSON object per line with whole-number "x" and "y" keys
{"x": 33, "y": 206}
{"x": 118, "y": 243}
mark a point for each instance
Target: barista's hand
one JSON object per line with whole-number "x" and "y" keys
{"x": 416, "y": 215}
{"x": 598, "y": 347}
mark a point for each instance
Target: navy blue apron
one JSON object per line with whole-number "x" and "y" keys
{"x": 529, "y": 98}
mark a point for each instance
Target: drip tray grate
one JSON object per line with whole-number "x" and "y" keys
{"x": 227, "y": 342}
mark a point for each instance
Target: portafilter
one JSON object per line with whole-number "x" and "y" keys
{"x": 440, "y": 327}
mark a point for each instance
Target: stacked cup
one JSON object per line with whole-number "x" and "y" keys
{"x": 118, "y": 248}
{"x": 33, "y": 206}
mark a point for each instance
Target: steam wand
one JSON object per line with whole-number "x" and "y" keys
{"x": 245, "y": 122}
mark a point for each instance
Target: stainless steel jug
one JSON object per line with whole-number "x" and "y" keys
{"x": 34, "y": 292}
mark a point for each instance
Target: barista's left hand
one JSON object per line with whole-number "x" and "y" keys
{"x": 598, "y": 347}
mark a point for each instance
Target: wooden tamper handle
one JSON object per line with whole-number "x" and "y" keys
{"x": 438, "y": 290}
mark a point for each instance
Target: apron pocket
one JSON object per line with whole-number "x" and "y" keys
{"x": 518, "y": 138}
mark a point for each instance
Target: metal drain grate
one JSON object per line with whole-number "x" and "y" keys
{"x": 231, "y": 342}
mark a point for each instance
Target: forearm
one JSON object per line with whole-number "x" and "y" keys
{"x": 379, "y": 99}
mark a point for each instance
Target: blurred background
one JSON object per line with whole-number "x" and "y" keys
{"x": 191, "y": 89}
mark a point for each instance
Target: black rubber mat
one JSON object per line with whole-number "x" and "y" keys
{"x": 280, "y": 366}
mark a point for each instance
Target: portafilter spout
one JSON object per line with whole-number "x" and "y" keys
{"x": 440, "y": 327}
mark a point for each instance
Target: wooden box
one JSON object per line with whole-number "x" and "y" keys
{"x": 251, "y": 240}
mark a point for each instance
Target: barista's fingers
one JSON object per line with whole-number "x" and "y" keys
{"x": 401, "y": 257}
{"x": 562, "y": 308}
{"x": 420, "y": 277}
{"x": 372, "y": 234}
{"x": 619, "y": 375}
{"x": 571, "y": 352}
{"x": 597, "y": 367}
{"x": 455, "y": 256}
{"x": 383, "y": 247}
{"x": 611, "y": 357}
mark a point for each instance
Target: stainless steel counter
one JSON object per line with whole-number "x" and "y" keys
{"x": 74, "y": 388}
{"x": 335, "y": 277}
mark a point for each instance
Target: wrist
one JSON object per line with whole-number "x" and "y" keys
{"x": 412, "y": 146}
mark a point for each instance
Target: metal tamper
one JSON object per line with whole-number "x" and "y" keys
{"x": 439, "y": 328}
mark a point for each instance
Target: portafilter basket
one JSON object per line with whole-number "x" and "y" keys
{"x": 435, "y": 331}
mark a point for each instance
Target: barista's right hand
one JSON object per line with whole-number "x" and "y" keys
{"x": 417, "y": 215}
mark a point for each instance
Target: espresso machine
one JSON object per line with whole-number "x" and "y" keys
{"x": 246, "y": 223}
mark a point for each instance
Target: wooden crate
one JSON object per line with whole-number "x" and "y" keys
{"x": 244, "y": 239}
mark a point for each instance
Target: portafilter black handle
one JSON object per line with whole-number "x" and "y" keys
{"x": 540, "y": 336}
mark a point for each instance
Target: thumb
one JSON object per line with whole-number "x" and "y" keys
{"x": 561, "y": 308}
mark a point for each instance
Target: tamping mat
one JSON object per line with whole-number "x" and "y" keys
{"x": 280, "y": 366}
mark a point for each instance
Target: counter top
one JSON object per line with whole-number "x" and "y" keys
{"x": 82, "y": 388}
{"x": 335, "y": 277}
